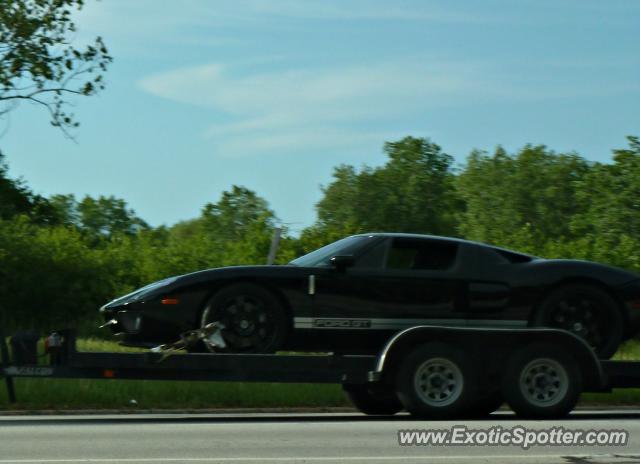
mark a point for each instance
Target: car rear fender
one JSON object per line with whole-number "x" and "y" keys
{"x": 581, "y": 280}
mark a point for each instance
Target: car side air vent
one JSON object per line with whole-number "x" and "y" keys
{"x": 514, "y": 258}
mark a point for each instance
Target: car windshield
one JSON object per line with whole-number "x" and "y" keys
{"x": 321, "y": 256}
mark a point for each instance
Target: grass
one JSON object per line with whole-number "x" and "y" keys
{"x": 42, "y": 394}
{"x": 629, "y": 351}
{"x": 121, "y": 394}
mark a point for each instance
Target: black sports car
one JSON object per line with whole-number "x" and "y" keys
{"x": 352, "y": 295}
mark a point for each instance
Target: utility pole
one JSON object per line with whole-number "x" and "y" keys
{"x": 275, "y": 241}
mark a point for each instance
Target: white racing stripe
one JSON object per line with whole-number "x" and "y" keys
{"x": 351, "y": 323}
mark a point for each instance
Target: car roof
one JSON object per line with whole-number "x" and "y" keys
{"x": 443, "y": 238}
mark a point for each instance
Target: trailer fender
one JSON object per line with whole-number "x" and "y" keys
{"x": 493, "y": 345}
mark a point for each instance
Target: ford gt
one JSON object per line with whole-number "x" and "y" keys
{"x": 352, "y": 295}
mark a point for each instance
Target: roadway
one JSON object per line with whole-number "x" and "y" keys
{"x": 289, "y": 438}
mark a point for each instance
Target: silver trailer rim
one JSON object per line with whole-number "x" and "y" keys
{"x": 438, "y": 382}
{"x": 544, "y": 382}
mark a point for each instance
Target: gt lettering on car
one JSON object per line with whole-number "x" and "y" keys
{"x": 342, "y": 323}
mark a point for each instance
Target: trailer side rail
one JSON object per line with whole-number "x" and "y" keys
{"x": 71, "y": 364}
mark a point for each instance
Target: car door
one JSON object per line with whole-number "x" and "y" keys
{"x": 400, "y": 282}
{"x": 491, "y": 300}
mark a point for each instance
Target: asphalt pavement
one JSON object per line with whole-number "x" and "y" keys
{"x": 289, "y": 438}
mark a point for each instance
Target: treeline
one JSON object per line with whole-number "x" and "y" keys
{"x": 62, "y": 257}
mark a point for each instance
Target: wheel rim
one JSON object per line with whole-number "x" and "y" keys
{"x": 544, "y": 382}
{"x": 584, "y": 317}
{"x": 247, "y": 321}
{"x": 438, "y": 382}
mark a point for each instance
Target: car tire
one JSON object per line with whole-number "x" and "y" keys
{"x": 586, "y": 311}
{"x": 373, "y": 401}
{"x": 437, "y": 381}
{"x": 541, "y": 382}
{"x": 254, "y": 319}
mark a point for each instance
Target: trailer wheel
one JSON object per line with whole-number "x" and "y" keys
{"x": 541, "y": 382}
{"x": 376, "y": 402}
{"x": 436, "y": 381}
{"x": 254, "y": 319}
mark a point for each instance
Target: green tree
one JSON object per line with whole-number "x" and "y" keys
{"x": 49, "y": 278}
{"x": 608, "y": 225}
{"x": 235, "y": 212}
{"x": 98, "y": 218}
{"x": 108, "y": 216}
{"x": 239, "y": 227}
{"x": 413, "y": 192}
{"x": 65, "y": 209}
{"x": 37, "y": 62}
{"x": 522, "y": 201}
{"x": 17, "y": 199}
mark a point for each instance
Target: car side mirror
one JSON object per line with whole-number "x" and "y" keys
{"x": 341, "y": 262}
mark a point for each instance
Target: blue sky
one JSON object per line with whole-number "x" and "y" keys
{"x": 272, "y": 94}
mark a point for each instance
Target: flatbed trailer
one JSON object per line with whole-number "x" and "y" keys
{"x": 431, "y": 371}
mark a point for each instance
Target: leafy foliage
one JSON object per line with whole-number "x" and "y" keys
{"x": 17, "y": 199}
{"x": 412, "y": 192}
{"x": 522, "y": 200}
{"x": 38, "y": 63}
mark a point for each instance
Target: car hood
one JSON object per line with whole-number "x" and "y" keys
{"x": 175, "y": 283}
{"x": 238, "y": 271}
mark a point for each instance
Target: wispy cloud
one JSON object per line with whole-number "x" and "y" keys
{"x": 279, "y": 109}
{"x": 267, "y": 110}
{"x": 355, "y": 89}
{"x": 133, "y": 27}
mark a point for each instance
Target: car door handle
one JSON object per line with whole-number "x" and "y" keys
{"x": 312, "y": 284}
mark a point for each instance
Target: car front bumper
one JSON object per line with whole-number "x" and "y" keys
{"x": 139, "y": 328}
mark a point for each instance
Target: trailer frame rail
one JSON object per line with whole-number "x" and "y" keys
{"x": 72, "y": 364}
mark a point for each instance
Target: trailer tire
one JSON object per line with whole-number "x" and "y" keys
{"x": 542, "y": 382}
{"x": 436, "y": 381}
{"x": 375, "y": 402}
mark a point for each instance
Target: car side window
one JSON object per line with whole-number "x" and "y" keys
{"x": 411, "y": 253}
{"x": 374, "y": 257}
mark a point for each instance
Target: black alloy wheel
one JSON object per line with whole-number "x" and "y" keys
{"x": 253, "y": 319}
{"x": 586, "y": 311}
